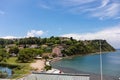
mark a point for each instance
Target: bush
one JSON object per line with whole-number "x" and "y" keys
{"x": 45, "y": 56}
{"x": 3, "y": 74}
{"x": 48, "y": 67}
{"x": 3, "y": 55}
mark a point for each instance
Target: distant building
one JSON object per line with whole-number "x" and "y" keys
{"x": 13, "y": 54}
{"x": 64, "y": 38}
{"x": 10, "y": 45}
{"x": 38, "y": 57}
{"x": 34, "y": 46}
{"x": 22, "y": 46}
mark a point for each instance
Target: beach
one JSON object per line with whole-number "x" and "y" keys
{"x": 38, "y": 65}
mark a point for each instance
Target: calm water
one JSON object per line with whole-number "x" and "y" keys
{"x": 6, "y": 69}
{"x": 90, "y": 63}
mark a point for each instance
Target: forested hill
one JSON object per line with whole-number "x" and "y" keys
{"x": 69, "y": 46}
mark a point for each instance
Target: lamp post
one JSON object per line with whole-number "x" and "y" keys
{"x": 101, "y": 72}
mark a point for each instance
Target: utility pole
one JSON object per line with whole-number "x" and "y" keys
{"x": 101, "y": 63}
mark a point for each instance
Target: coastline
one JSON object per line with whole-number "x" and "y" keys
{"x": 69, "y": 57}
{"x": 58, "y": 68}
{"x": 93, "y": 76}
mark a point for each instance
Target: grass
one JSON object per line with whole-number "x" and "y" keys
{"x": 19, "y": 71}
{"x": 12, "y": 60}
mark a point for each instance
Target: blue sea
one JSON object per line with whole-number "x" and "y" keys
{"x": 91, "y": 63}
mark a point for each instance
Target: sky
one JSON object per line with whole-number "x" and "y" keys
{"x": 80, "y": 19}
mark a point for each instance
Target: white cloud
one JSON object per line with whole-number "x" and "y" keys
{"x": 112, "y": 35}
{"x": 109, "y": 11}
{"x": 104, "y": 3}
{"x": 34, "y": 33}
{"x": 102, "y": 9}
{"x": 75, "y": 2}
{"x": 10, "y": 37}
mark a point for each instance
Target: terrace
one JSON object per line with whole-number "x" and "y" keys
{"x": 49, "y": 76}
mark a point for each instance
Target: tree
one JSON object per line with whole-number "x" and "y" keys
{"x": 71, "y": 38}
{"x": 38, "y": 52}
{"x": 14, "y": 50}
{"x": 26, "y": 55}
{"x": 3, "y": 55}
{"x": 2, "y": 41}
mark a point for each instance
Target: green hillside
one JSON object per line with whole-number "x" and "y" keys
{"x": 69, "y": 46}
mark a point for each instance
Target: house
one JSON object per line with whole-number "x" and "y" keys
{"x": 34, "y": 46}
{"x": 13, "y": 54}
{"x": 21, "y": 46}
{"x": 38, "y": 57}
{"x": 64, "y": 38}
{"x": 10, "y": 45}
{"x": 44, "y": 46}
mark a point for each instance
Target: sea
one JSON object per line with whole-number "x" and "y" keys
{"x": 91, "y": 63}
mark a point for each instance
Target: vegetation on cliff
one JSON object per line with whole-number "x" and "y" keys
{"x": 27, "y": 48}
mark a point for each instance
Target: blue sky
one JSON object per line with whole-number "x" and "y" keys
{"x": 80, "y": 19}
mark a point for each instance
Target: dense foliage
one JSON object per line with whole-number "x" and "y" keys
{"x": 27, "y": 49}
{"x": 4, "y": 42}
{"x": 14, "y": 50}
{"x": 3, "y": 55}
{"x": 86, "y": 47}
{"x": 26, "y": 55}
